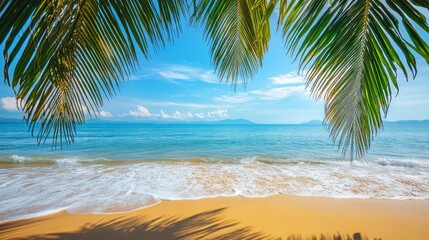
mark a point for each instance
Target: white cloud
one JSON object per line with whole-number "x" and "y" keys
{"x": 174, "y": 75}
{"x": 278, "y": 93}
{"x": 213, "y": 115}
{"x": 178, "y": 72}
{"x": 105, "y": 114}
{"x": 236, "y": 98}
{"x": 286, "y": 79}
{"x": 181, "y": 72}
{"x": 293, "y": 84}
{"x": 138, "y": 77}
{"x": 164, "y": 115}
{"x": 275, "y": 93}
{"x": 140, "y": 112}
{"x": 187, "y": 105}
{"x": 218, "y": 114}
{"x": 199, "y": 115}
{"x": 9, "y": 104}
{"x": 143, "y": 112}
{"x": 177, "y": 115}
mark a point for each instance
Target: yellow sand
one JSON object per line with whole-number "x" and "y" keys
{"x": 275, "y": 217}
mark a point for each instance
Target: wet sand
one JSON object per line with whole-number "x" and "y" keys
{"x": 275, "y": 217}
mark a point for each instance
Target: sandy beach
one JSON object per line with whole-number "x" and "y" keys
{"x": 229, "y": 120}
{"x": 274, "y": 217}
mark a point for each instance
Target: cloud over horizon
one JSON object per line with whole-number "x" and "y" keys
{"x": 143, "y": 113}
{"x": 9, "y": 104}
{"x": 105, "y": 114}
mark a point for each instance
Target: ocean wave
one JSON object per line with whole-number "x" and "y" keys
{"x": 402, "y": 162}
{"x": 19, "y": 160}
{"x": 104, "y": 188}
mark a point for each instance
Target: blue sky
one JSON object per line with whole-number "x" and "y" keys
{"x": 179, "y": 84}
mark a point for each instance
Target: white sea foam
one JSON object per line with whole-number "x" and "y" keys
{"x": 74, "y": 160}
{"x": 18, "y": 158}
{"x": 104, "y": 188}
{"x": 248, "y": 159}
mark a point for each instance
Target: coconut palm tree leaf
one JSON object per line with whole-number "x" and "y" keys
{"x": 66, "y": 57}
{"x": 353, "y": 51}
{"x": 238, "y": 32}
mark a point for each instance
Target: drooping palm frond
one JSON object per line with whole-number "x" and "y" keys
{"x": 238, "y": 32}
{"x": 353, "y": 50}
{"x": 69, "y": 55}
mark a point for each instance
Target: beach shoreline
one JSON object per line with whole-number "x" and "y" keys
{"x": 273, "y": 217}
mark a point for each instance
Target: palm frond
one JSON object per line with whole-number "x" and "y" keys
{"x": 353, "y": 50}
{"x": 70, "y": 55}
{"x": 238, "y": 32}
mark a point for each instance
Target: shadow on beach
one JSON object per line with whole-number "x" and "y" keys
{"x": 205, "y": 225}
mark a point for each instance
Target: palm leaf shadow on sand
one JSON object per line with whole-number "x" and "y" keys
{"x": 204, "y": 225}
{"x": 7, "y": 228}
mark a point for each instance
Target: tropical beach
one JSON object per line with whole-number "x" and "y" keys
{"x": 240, "y": 119}
{"x": 232, "y": 188}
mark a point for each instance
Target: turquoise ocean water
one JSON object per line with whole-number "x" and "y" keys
{"x": 124, "y": 166}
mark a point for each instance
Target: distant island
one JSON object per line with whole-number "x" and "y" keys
{"x": 407, "y": 121}
{"x": 313, "y": 122}
{"x": 226, "y": 121}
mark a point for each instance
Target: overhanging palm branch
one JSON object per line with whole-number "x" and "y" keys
{"x": 69, "y": 55}
{"x": 238, "y": 32}
{"x": 353, "y": 50}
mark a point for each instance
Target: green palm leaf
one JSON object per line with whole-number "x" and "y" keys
{"x": 70, "y": 55}
{"x": 238, "y": 32}
{"x": 353, "y": 50}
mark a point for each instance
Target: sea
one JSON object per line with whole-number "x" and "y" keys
{"x": 118, "y": 167}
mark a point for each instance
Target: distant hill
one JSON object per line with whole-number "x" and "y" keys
{"x": 232, "y": 121}
{"x": 407, "y": 121}
{"x": 313, "y": 122}
{"x": 226, "y": 122}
